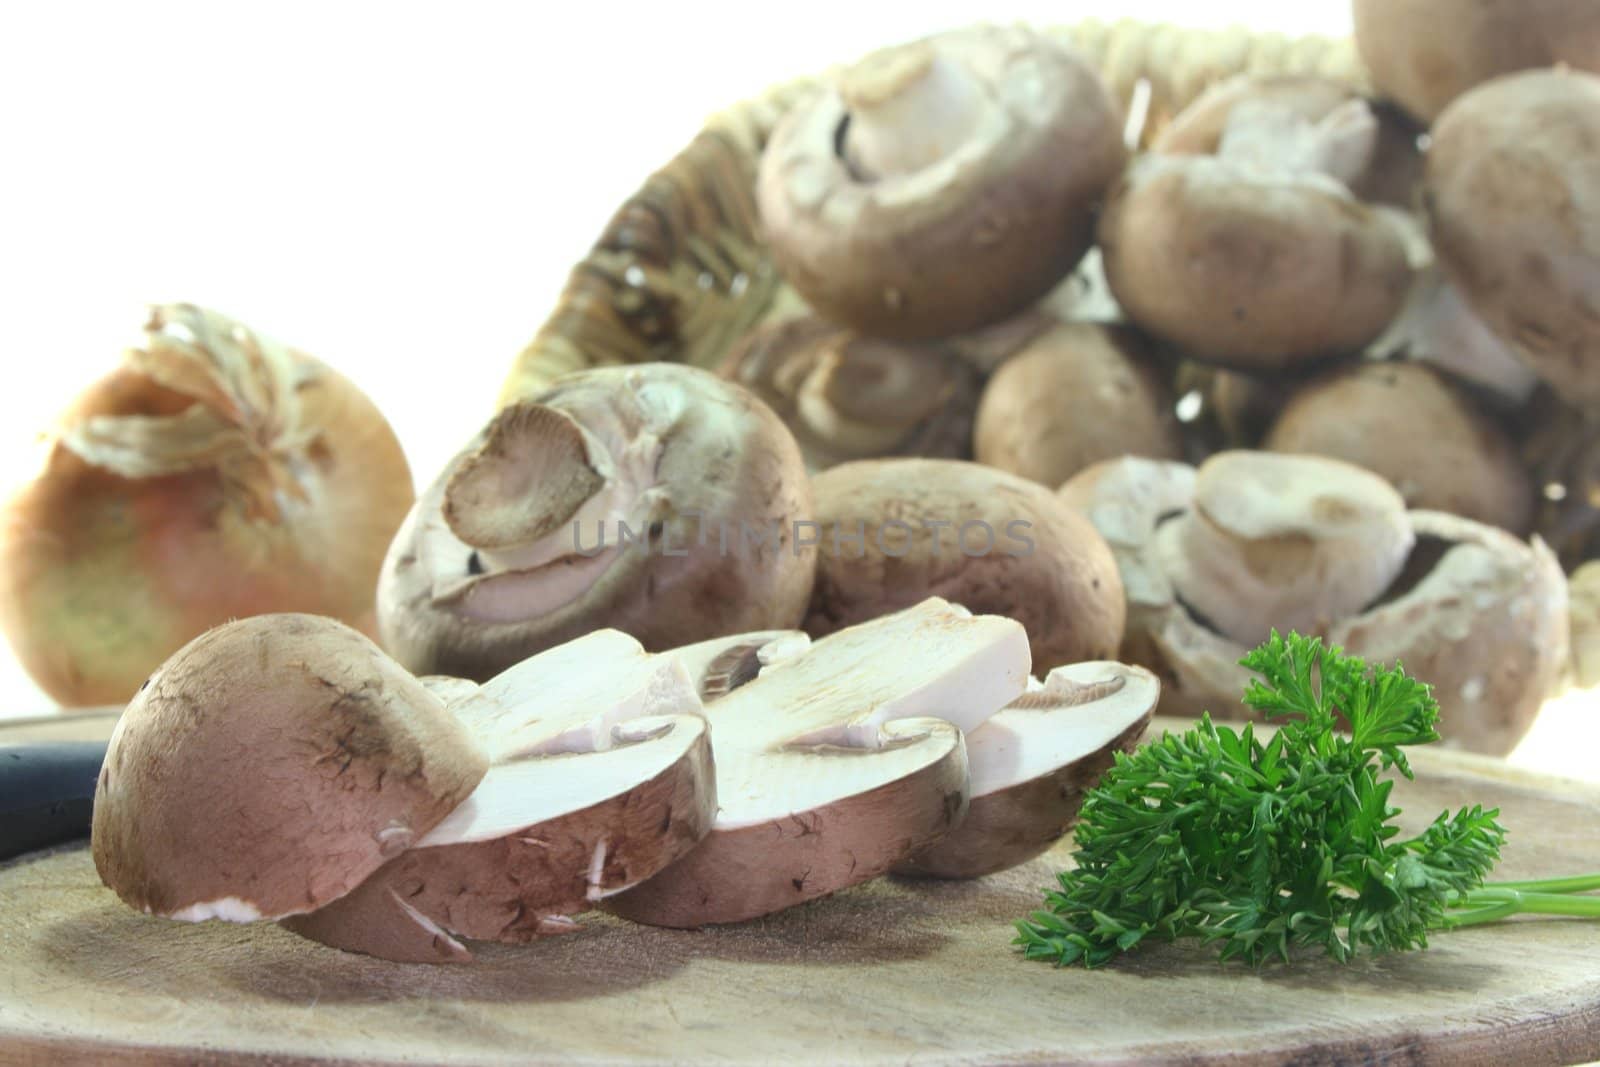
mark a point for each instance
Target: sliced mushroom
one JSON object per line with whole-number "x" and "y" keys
{"x": 1032, "y": 762}
{"x": 896, "y": 531}
{"x": 721, "y": 665}
{"x": 1427, "y": 437}
{"x": 851, "y": 397}
{"x": 268, "y": 767}
{"x": 1476, "y": 613}
{"x": 655, "y": 499}
{"x": 1258, "y": 258}
{"x": 1583, "y": 593}
{"x": 940, "y": 185}
{"x": 1426, "y": 53}
{"x": 602, "y": 776}
{"x": 838, "y": 763}
{"x": 1510, "y": 201}
{"x": 1075, "y": 395}
{"x": 1388, "y": 173}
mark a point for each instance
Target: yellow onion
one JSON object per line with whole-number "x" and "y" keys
{"x": 215, "y": 474}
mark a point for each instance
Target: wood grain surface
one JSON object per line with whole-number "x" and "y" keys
{"x": 893, "y": 972}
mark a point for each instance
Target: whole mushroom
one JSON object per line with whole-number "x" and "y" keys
{"x": 940, "y": 185}
{"x": 847, "y": 397}
{"x": 895, "y": 531}
{"x": 1075, "y": 395}
{"x": 1259, "y": 257}
{"x": 655, "y": 499}
{"x": 1426, "y": 53}
{"x": 1429, "y": 438}
{"x": 1215, "y": 559}
{"x": 1509, "y": 196}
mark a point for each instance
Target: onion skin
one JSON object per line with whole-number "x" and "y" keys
{"x": 103, "y": 576}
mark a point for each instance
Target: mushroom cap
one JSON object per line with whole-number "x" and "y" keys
{"x": 845, "y": 396}
{"x": 268, "y": 767}
{"x": 1515, "y": 219}
{"x": 967, "y": 239}
{"x": 1290, "y": 542}
{"x": 1486, "y": 627}
{"x": 1250, "y": 268}
{"x": 980, "y": 537}
{"x": 1077, "y": 394}
{"x": 705, "y": 477}
{"x": 1424, "y": 435}
{"x": 1396, "y": 166}
{"x": 1031, "y": 764}
{"x": 1426, "y": 53}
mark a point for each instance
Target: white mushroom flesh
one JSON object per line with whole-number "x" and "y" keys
{"x": 910, "y": 106}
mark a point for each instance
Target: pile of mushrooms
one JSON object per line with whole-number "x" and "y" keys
{"x": 283, "y": 768}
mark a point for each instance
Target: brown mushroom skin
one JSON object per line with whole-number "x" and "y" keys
{"x": 1251, "y": 271}
{"x": 730, "y": 877}
{"x": 1424, "y": 435}
{"x": 970, "y": 240}
{"x": 1078, "y": 394}
{"x": 1055, "y": 575}
{"x": 507, "y": 888}
{"x": 730, "y": 459}
{"x": 1492, "y": 672}
{"x": 1012, "y": 826}
{"x": 1396, "y": 167}
{"x": 1510, "y": 199}
{"x": 277, "y": 760}
{"x": 1426, "y": 53}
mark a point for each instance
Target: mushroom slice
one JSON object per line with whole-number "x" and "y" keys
{"x": 1287, "y": 541}
{"x": 941, "y": 185}
{"x": 656, "y": 499}
{"x": 837, "y": 763}
{"x": 268, "y": 767}
{"x": 1032, "y": 763}
{"x": 603, "y": 776}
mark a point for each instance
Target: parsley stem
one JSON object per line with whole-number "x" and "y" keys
{"x": 1576, "y": 884}
{"x": 1504, "y": 902}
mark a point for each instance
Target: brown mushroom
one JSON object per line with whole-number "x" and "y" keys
{"x": 1510, "y": 202}
{"x": 601, "y": 778}
{"x": 1388, "y": 174}
{"x": 1075, "y": 395}
{"x": 655, "y": 499}
{"x": 941, "y": 185}
{"x": 1426, "y": 53}
{"x": 895, "y": 531}
{"x": 1031, "y": 764}
{"x": 1258, "y": 258}
{"x": 1424, "y": 435}
{"x": 847, "y": 397}
{"x": 1471, "y": 610}
{"x": 838, "y": 762}
{"x": 268, "y": 767}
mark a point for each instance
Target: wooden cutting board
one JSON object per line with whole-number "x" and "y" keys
{"x": 894, "y": 972}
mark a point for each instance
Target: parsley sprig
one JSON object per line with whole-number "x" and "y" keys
{"x": 1264, "y": 846}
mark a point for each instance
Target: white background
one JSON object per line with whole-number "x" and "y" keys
{"x": 399, "y": 189}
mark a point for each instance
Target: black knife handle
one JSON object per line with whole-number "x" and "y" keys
{"x": 46, "y": 793}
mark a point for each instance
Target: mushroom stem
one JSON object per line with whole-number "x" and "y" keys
{"x": 1269, "y": 134}
{"x": 909, "y": 107}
